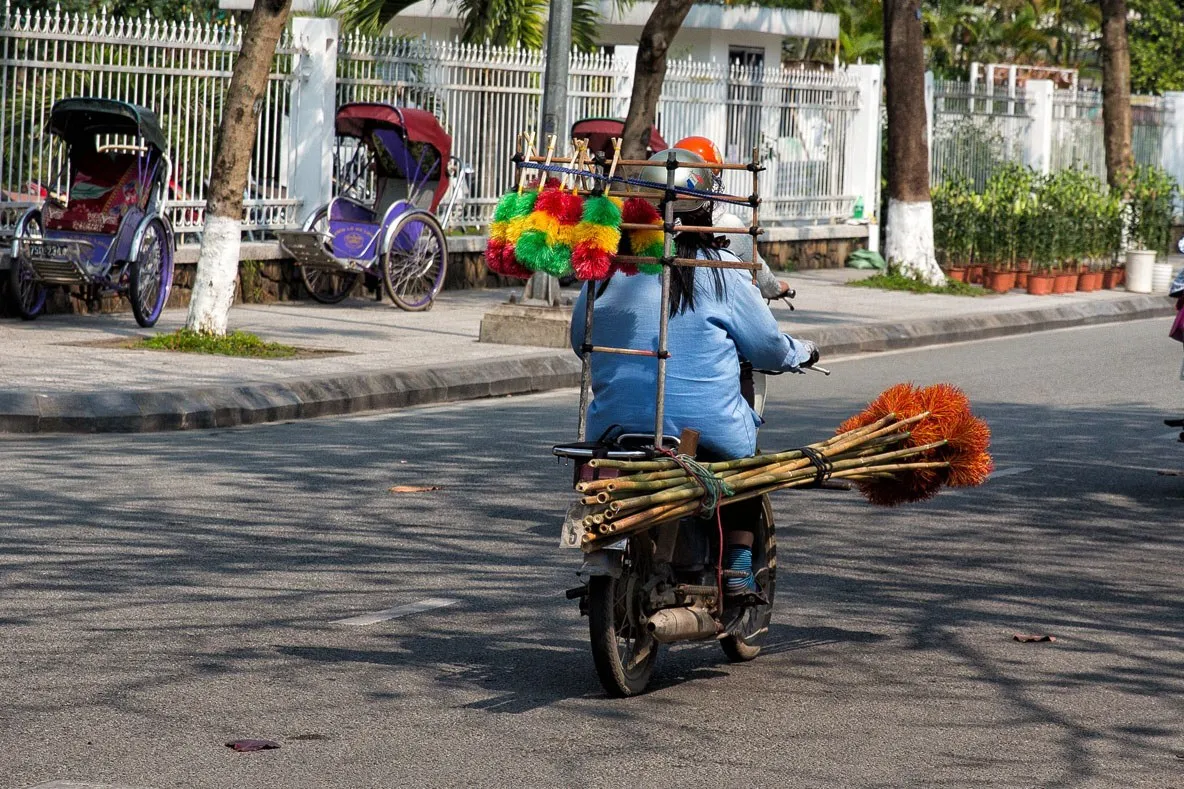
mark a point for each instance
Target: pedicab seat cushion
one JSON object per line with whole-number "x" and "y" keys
{"x": 104, "y": 189}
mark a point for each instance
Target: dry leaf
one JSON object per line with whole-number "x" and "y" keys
{"x": 414, "y": 488}
{"x": 1029, "y": 638}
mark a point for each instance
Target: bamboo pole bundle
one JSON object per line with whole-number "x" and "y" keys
{"x": 905, "y": 446}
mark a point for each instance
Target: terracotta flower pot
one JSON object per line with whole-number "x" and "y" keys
{"x": 1110, "y": 278}
{"x": 1064, "y": 282}
{"x": 1039, "y": 284}
{"x": 1085, "y": 281}
{"x": 1001, "y": 281}
{"x": 974, "y": 275}
{"x": 1021, "y": 279}
{"x": 1098, "y": 277}
{"x": 1120, "y": 276}
{"x": 956, "y": 274}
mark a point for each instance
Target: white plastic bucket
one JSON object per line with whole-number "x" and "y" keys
{"x": 1140, "y": 264}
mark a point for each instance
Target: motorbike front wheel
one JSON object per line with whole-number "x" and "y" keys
{"x": 623, "y": 650}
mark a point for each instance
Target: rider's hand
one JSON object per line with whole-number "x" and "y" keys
{"x": 811, "y": 349}
{"x": 784, "y": 288}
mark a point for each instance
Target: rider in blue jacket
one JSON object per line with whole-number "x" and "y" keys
{"x": 717, "y": 316}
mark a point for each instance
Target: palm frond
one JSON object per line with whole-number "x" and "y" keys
{"x": 369, "y": 16}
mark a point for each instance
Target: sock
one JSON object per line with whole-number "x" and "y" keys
{"x": 739, "y": 557}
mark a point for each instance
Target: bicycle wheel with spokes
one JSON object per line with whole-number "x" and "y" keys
{"x": 747, "y": 625}
{"x": 623, "y": 651}
{"x": 26, "y": 294}
{"x": 151, "y": 274}
{"x": 415, "y": 262}
{"x": 325, "y": 285}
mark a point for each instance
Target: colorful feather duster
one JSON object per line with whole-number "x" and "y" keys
{"x": 645, "y": 243}
{"x": 597, "y": 237}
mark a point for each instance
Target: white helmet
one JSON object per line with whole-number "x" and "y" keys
{"x": 698, "y": 178}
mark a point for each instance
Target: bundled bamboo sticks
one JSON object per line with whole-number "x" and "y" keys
{"x": 905, "y": 446}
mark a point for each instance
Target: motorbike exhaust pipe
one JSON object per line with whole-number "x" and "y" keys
{"x": 682, "y": 624}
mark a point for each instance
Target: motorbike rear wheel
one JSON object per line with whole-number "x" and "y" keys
{"x": 748, "y": 626}
{"x": 623, "y": 650}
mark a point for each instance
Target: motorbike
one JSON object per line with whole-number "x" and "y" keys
{"x": 665, "y": 585}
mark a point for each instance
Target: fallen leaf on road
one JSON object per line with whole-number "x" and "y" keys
{"x": 252, "y": 745}
{"x": 414, "y": 488}
{"x": 1170, "y": 473}
{"x": 1029, "y": 638}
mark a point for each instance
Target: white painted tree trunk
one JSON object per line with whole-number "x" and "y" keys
{"x": 909, "y": 246}
{"x": 217, "y": 269}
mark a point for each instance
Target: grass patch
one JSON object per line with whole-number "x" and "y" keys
{"x": 238, "y": 343}
{"x": 894, "y": 280}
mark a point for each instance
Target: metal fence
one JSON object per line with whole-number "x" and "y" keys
{"x": 485, "y": 97}
{"x": 1077, "y": 136}
{"x": 798, "y": 120}
{"x": 180, "y": 70}
{"x": 976, "y": 128}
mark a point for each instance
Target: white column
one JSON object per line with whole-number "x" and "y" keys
{"x": 314, "y": 96}
{"x": 929, "y": 91}
{"x": 1038, "y": 146}
{"x": 1173, "y": 135}
{"x": 624, "y": 58}
{"x": 861, "y": 176}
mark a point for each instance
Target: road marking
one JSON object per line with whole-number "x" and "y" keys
{"x": 1010, "y": 472}
{"x": 429, "y": 604}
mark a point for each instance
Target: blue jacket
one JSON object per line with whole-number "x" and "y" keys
{"x": 703, "y": 371}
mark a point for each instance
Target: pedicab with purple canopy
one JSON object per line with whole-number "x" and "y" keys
{"x": 393, "y": 166}
{"x": 102, "y": 228}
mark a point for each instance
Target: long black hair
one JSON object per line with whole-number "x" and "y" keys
{"x": 689, "y": 245}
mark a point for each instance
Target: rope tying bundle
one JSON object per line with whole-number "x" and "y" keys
{"x": 714, "y": 487}
{"x": 822, "y": 464}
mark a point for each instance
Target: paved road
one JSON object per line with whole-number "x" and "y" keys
{"x": 163, "y": 594}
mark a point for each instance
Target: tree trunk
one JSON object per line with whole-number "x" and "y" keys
{"x": 217, "y": 265}
{"x": 909, "y": 245}
{"x": 649, "y": 72}
{"x": 1116, "y": 93}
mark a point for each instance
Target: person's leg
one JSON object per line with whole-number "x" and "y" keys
{"x": 739, "y": 521}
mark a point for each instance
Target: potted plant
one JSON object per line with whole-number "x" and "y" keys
{"x": 1151, "y": 193}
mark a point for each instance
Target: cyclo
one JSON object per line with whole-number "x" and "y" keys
{"x": 102, "y": 228}
{"x": 393, "y": 167}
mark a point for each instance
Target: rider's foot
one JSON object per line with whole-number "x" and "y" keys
{"x": 739, "y": 559}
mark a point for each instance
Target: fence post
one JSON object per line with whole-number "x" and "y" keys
{"x": 929, "y": 91}
{"x": 1172, "y": 153}
{"x": 1038, "y": 146}
{"x": 313, "y": 100}
{"x": 861, "y": 176}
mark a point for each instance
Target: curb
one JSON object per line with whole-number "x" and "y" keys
{"x": 939, "y": 331}
{"x": 146, "y": 411}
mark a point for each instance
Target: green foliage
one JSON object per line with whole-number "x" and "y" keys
{"x": 1067, "y": 217}
{"x": 237, "y": 343}
{"x": 1152, "y": 194}
{"x": 893, "y": 279}
{"x": 1156, "y": 35}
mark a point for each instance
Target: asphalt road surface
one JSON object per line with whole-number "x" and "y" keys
{"x": 164, "y": 594}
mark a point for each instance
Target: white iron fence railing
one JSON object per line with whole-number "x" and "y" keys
{"x": 976, "y": 128}
{"x": 180, "y": 70}
{"x": 799, "y": 121}
{"x": 485, "y": 97}
{"x": 1077, "y": 136}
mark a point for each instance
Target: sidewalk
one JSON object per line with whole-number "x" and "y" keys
{"x": 60, "y": 373}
